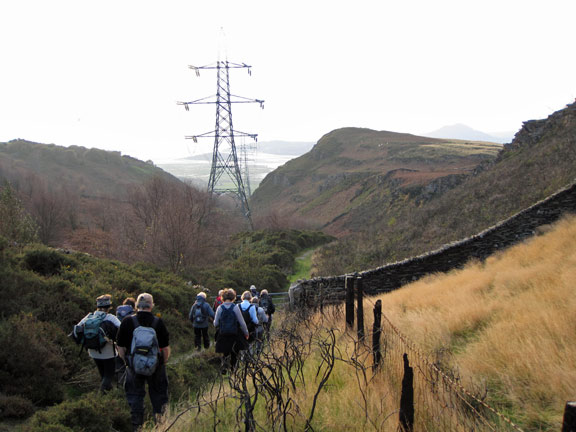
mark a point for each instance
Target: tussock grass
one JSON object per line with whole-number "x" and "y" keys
{"x": 510, "y": 322}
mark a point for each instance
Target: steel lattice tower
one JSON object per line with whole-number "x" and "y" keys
{"x": 225, "y": 166}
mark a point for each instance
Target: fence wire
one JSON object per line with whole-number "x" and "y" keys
{"x": 441, "y": 402}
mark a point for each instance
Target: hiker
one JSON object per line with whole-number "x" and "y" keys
{"x": 218, "y": 300}
{"x": 147, "y": 364}
{"x": 122, "y": 311}
{"x": 267, "y": 304}
{"x": 253, "y": 291}
{"x": 259, "y": 332}
{"x": 201, "y": 315}
{"x": 97, "y": 332}
{"x": 249, "y": 313}
{"x": 229, "y": 320}
{"x": 126, "y": 308}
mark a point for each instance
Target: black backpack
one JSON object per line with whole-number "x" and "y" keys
{"x": 267, "y": 305}
{"x": 248, "y": 319}
{"x": 228, "y": 323}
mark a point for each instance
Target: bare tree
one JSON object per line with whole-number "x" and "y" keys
{"x": 167, "y": 223}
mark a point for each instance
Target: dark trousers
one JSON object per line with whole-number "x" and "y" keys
{"x": 136, "y": 391}
{"x": 199, "y": 334}
{"x": 107, "y": 369}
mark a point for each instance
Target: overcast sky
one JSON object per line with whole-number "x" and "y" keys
{"x": 108, "y": 74}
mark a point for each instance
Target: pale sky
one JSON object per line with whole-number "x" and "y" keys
{"x": 108, "y": 74}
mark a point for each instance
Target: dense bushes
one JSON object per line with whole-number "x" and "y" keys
{"x": 45, "y": 292}
{"x": 90, "y": 413}
{"x": 261, "y": 258}
{"x": 31, "y": 364}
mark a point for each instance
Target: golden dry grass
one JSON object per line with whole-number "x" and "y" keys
{"x": 510, "y": 323}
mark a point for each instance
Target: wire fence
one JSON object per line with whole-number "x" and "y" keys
{"x": 440, "y": 402}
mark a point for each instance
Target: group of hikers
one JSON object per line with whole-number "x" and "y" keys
{"x": 132, "y": 346}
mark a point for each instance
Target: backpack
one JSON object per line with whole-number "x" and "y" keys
{"x": 249, "y": 323}
{"x": 228, "y": 323}
{"x": 123, "y": 311}
{"x": 265, "y": 303}
{"x": 144, "y": 352}
{"x": 197, "y": 314}
{"x": 90, "y": 333}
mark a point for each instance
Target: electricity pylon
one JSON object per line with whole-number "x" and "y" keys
{"x": 224, "y": 163}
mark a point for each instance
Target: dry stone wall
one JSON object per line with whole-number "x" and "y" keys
{"x": 392, "y": 276}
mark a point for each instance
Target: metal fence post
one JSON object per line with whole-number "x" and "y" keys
{"x": 349, "y": 284}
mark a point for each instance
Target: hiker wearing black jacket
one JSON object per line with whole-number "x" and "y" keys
{"x": 267, "y": 304}
{"x": 157, "y": 382}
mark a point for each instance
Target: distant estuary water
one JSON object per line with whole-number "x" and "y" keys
{"x": 197, "y": 169}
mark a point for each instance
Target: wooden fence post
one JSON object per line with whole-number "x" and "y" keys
{"x": 407, "y": 398}
{"x": 360, "y": 308}
{"x": 376, "y": 332}
{"x": 569, "y": 423}
{"x": 349, "y": 284}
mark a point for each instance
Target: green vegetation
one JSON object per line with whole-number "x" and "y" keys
{"x": 262, "y": 258}
{"x": 302, "y": 266}
{"x": 44, "y": 293}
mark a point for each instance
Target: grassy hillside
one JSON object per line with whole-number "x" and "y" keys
{"x": 503, "y": 329}
{"x": 337, "y": 176}
{"x": 94, "y": 173}
{"x": 71, "y": 191}
{"x": 398, "y": 219}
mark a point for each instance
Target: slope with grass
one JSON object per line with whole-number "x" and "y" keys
{"x": 414, "y": 220}
{"x": 351, "y": 167}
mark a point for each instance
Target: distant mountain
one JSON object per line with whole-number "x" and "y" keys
{"x": 285, "y": 147}
{"x": 463, "y": 132}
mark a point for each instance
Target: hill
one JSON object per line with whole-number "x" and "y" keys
{"x": 73, "y": 191}
{"x": 422, "y": 199}
{"x": 94, "y": 173}
{"x": 350, "y": 168}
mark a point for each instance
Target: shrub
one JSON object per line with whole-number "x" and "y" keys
{"x": 46, "y": 262}
{"x": 15, "y": 407}
{"x": 91, "y": 413}
{"x": 33, "y": 365}
{"x": 190, "y": 377}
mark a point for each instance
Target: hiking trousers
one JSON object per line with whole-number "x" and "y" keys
{"x": 107, "y": 370}
{"x": 136, "y": 391}
{"x": 199, "y": 335}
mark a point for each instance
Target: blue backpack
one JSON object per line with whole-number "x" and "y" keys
{"x": 197, "y": 315}
{"x": 144, "y": 352}
{"x": 90, "y": 334}
{"x": 123, "y": 311}
{"x": 228, "y": 323}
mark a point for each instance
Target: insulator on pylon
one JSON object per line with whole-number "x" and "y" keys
{"x": 186, "y": 107}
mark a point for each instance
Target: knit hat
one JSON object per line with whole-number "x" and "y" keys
{"x": 103, "y": 302}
